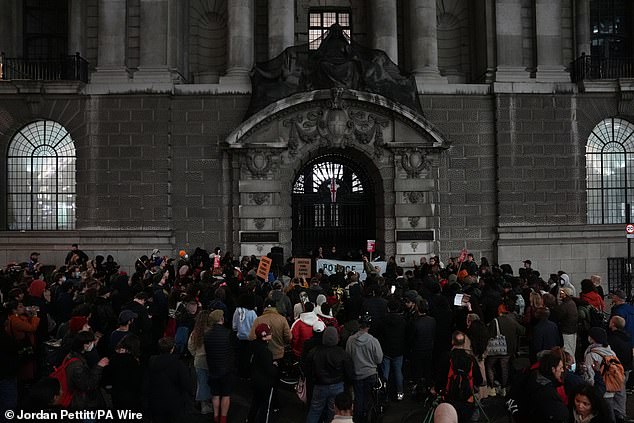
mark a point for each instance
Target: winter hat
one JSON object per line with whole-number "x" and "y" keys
{"x": 126, "y": 315}
{"x": 567, "y": 290}
{"x": 76, "y": 323}
{"x": 453, "y": 278}
{"x": 599, "y": 335}
{"x": 411, "y": 295}
{"x": 262, "y": 330}
{"x": 330, "y": 337}
{"x": 321, "y": 298}
{"x": 37, "y": 288}
{"x": 319, "y": 326}
{"x": 216, "y": 316}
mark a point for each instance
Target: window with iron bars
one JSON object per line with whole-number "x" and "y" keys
{"x": 610, "y": 171}
{"x": 319, "y": 21}
{"x": 41, "y": 178}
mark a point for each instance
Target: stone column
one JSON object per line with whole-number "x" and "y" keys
{"x": 281, "y": 26}
{"x": 582, "y": 25}
{"x": 508, "y": 25}
{"x": 384, "y": 27}
{"x": 155, "y": 24}
{"x": 111, "y": 53}
{"x": 550, "y": 67}
{"x": 76, "y": 27}
{"x": 240, "y": 21}
{"x": 10, "y": 26}
{"x": 424, "y": 41}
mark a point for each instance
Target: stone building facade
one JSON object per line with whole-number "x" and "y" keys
{"x": 494, "y": 160}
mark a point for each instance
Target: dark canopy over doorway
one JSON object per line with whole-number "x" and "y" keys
{"x": 333, "y": 204}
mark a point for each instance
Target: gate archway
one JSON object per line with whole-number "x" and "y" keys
{"x": 333, "y": 204}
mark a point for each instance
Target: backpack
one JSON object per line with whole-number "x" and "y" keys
{"x": 612, "y": 372}
{"x": 460, "y": 383}
{"x": 60, "y": 374}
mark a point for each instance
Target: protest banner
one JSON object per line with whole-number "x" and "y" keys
{"x": 264, "y": 268}
{"x": 330, "y": 267}
{"x": 302, "y": 268}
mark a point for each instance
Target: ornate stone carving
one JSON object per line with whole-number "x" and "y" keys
{"x": 415, "y": 161}
{"x": 259, "y": 223}
{"x": 259, "y": 163}
{"x": 414, "y": 245}
{"x": 259, "y": 198}
{"x": 413, "y": 221}
{"x": 259, "y": 248}
{"x": 336, "y": 125}
{"x": 413, "y": 197}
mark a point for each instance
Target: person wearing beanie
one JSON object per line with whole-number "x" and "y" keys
{"x": 621, "y": 344}
{"x": 217, "y": 341}
{"x": 366, "y": 354}
{"x": 263, "y": 375}
{"x": 280, "y": 331}
{"x": 594, "y": 355}
{"x": 330, "y": 367}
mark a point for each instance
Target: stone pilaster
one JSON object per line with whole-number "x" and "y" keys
{"x": 281, "y": 26}
{"x": 384, "y": 36}
{"x": 550, "y": 67}
{"x": 508, "y": 19}
{"x": 153, "y": 66}
{"x": 582, "y": 27}
{"x": 111, "y": 53}
{"x": 77, "y": 27}
{"x": 424, "y": 41}
{"x": 240, "y": 43}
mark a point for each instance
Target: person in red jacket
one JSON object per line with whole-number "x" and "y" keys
{"x": 302, "y": 329}
{"x": 590, "y": 295}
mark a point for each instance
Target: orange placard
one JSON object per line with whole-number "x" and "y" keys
{"x": 302, "y": 268}
{"x": 264, "y": 268}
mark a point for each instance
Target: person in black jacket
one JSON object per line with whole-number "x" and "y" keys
{"x": 142, "y": 325}
{"x": 125, "y": 375}
{"x": 330, "y": 366}
{"x": 621, "y": 344}
{"x": 263, "y": 375}
{"x": 220, "y": 357}
{"x": 168, "y": 385}
{"x": 463, "y": 377}
{"x": 421, "y": 335}
{"x": 545, "y": 334}
{"x": 545, "y": 404}
{"x": 478, "y": 334}
{"x": 391, "y": 335}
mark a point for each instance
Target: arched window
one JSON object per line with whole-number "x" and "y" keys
{"x": 610, "y": 171}
{"x": 41, "y": 178}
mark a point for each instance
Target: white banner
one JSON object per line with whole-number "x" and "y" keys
{"x": 330, "y": 267}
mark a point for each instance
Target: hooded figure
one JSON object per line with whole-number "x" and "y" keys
{"x": 302, "y": 329}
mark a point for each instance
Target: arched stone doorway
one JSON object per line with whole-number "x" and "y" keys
{"x": 333, "y": 205}
{"x": 395, "y": 146}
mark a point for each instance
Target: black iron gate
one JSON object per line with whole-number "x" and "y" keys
{"x": 333, "y": 204}
{"x": 617, "y": 273}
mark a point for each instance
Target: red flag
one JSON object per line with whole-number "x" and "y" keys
{"x": 333, "y": 190}
{"x": 463, "y": 255}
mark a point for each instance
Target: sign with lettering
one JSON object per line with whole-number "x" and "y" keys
{"x": 371, "y": 247}
{"x": 302, "y": 268}
{"x": 329, "y": 267}
{"x": 264, "y": 268}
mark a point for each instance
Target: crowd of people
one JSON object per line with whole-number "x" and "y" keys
{"x": 86, "y": 335}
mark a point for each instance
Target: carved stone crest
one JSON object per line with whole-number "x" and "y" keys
{"x": 259, "y": 223}
{"x": 336, "y": 125}
{"x": 413, "y": 221}
{"x": 415, "y": 162}
{"x": 413, "y": 197}
{"x": 259, "y": 198}
{"x": 259, "y": 163}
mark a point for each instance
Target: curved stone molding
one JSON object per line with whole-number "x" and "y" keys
{"x": 372, "y": 105}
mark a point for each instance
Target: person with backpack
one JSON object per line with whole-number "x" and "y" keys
{"x": 282, "y": 301}
{"x": 600, "y": 358}
{"x": 80, "y": 383}
{"x": 463, "y": 378}
{"x": 621, "y": 344}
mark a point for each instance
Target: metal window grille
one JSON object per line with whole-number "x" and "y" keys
{"x": 610, "y": 171}
{"x": 41, "y": 178}
{"x": 617, "y": 273}
{"x": 320, "y": 21}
